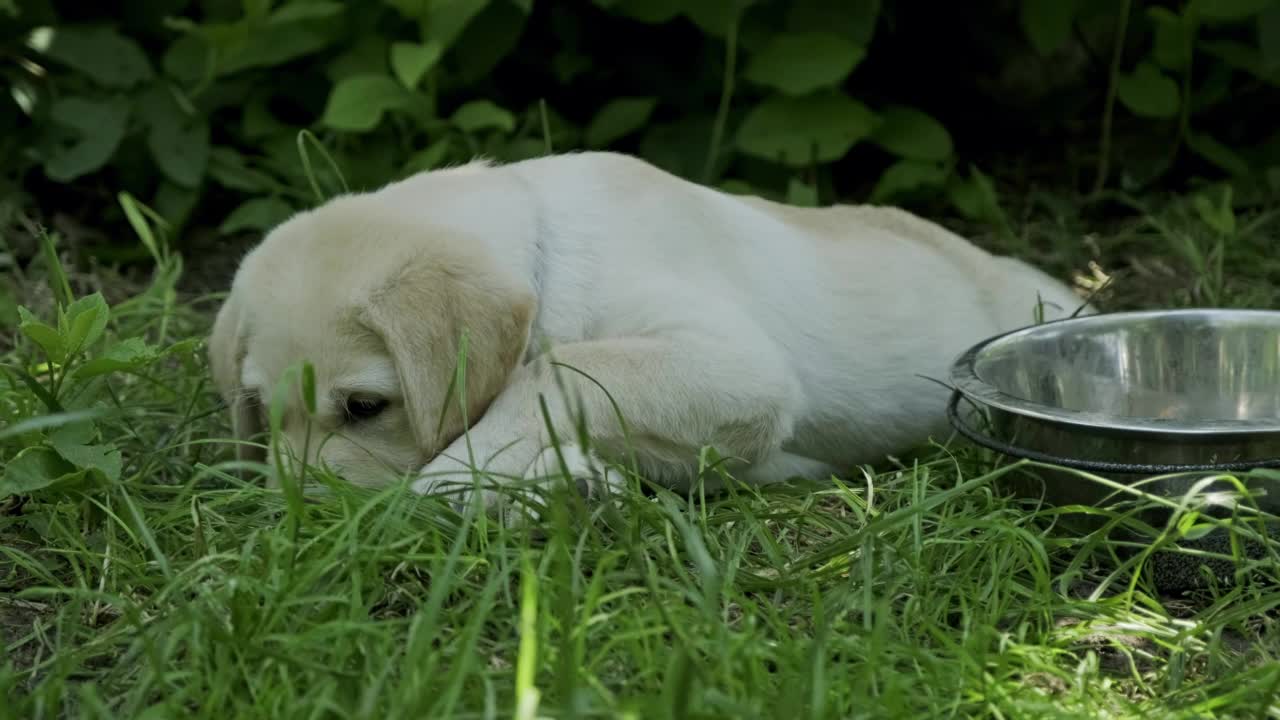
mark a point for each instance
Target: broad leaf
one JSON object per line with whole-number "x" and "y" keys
{"x": 853, "y": 20}
{"x": 488, "y": 39}
{"x": 800, "y": 131}
{"x": 1230, "y": 10}
{"x": 188, "y": 59}
{"x": 104, "y": 55}
{"x": 410, "y": 61}
{"x": 430, "y": 157}
{"x": 96, "y": 128}
{"x": 1242, "y": 57}
{"x": 46, "y": 336}
{"x": 305, "y": 10}
{"x": 257, "y": 214}
{"x": 1172, "y": 45}
{"x": 179, "y": 144}
{"x": 680, "y": 147}
{"x": 976, "y": 197}
{"x": 358, "y": 103}
{"x": 34, "y": 469}
{"x": 910, "y": 133}
{"x": 73, "y": 443}
{"x": 130, "y": 354}
{"x": 86, "y": 319}
{"x": 268, "y": 46}
{"x": 230, "y": 169}
{"x": 480, "y": 115}
{"x": 1220, "y": 215}
{"x": 648, "y": 11}
{"x": 799, "y": 63}
{"x": 1148, "y": 92}
{"x": 907, "y": 176}
{"x": 446, "y": 19}
{"x": 1217, "y": 153}
{"x": 1269, "y": 37}
{"x": 1047, "y": 23}
{"x": 801, "y": 194}
{"x": 617, "y": 119}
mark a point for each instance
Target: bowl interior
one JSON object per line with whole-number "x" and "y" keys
{"x": 1185, "y": 367}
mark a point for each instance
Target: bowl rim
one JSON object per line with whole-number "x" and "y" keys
{"x": 965, "y": 379}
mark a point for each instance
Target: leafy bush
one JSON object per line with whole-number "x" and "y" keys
{"x": 196, "y": 105}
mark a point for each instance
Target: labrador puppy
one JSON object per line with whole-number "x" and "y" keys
{"x": 478, "y": 317}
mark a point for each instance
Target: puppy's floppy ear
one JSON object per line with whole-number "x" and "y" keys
{"x": 421, "y": 313}
{"x": 226, "y": 359}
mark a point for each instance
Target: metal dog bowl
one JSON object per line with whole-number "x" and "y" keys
{"x": 1154, "y": 399}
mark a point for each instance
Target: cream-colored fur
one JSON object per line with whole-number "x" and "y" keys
{"x": 791, "y": 340}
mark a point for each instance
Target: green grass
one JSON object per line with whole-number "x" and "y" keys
{"x": 922, "y": 590}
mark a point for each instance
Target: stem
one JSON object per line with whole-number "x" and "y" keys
{"x": 726, "y": 96}
{"x": 1104, "y": 150}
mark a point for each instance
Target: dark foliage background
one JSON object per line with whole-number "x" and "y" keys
{"x": 194, "y": 107}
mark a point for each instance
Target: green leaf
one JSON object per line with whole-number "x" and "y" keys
{"x": 490, "y": 38}
{"x": 680, "y": 147}
{"x": 178, "y": 143}
{"x": 34, "y": 469}
{"x": 913, "y": 134}
{"x": 446, "y": 19}
{"x": 188, "y": 59}
{"x": 1269, "y": 37}
{"x": 853, "y": 20}
{"x": 1047, "y": 23}
{"x": 267, "y": 45}
{"x": 410, "y": 61}
{"x": 258, "y": 214}
{"x": 799, "y": 63}
{"x": 1172, "y": 45}
{"x": 430, "y": 157}
{"x": 647, "y": 11}
{"x": 1148, "y": 92}
{"x": 72, "y": 443}
{"x": 907, "y": 176}
{"x": 976, "y": 197}
{"x": 800, "y": 131}
{"x": 1217, "y": 153}
{"x": 715, "y": 17}
{"x": 46, "y": 336}
{"x": 87, "y": 319}
{"x": 79, "y": 432}
{"x": 801, "y": 194}
{"x": 105, "y": 56}
{"x": 1241, "y": 57}
{"x": 1219, "y": 216}
{"x": 229, "y": 168}
{"x": 358, "y": 103}
{"x": 1229, "y": 10}
{"x": 740, "y": 187}
{"x": 619, "y": 118}
{"x": 96, "y": 126}
{"x": 305, "y": 10}
{"x": 483, "y": 115}
{"x": 129, "y": 354}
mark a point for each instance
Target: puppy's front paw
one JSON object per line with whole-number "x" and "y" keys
{"x": 456, "y": 482}
{"x": 592, "y": 477}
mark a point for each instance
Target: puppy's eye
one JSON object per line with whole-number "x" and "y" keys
{"x": 360, "y": 407}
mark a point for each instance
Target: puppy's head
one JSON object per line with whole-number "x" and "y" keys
{"x": 378, "y": 304}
